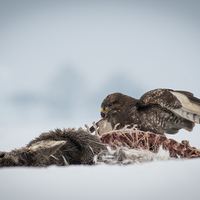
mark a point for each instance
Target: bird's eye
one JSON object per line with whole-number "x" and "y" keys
{"x": 2, "y": 154}
{"x": 110, "y": 104}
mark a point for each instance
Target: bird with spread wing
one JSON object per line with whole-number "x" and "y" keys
{"x": 159, "y": 111}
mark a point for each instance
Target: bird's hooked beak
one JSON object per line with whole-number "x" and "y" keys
{"x": 104, "y": 112}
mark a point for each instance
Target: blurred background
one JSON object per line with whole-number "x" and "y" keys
{"x": 60, "y": 59}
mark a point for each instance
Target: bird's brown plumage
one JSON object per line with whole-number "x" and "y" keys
{"x": 159, "y": 111}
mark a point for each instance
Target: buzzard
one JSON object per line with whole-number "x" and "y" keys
{"x": 159, "y": 111}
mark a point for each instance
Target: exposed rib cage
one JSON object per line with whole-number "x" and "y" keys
{"x": 136, "y": 139}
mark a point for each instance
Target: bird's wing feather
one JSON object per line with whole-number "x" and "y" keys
{"x": 189, "y": 103}
{"x": 182, "y": 103}
{"x": 162, "y": 97}
{"x": 185, "y": 93}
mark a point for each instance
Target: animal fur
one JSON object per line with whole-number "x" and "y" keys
{"x": 59, "y": 147}
{"x": 124, "y": 156}
{"x": 70, "y": 146}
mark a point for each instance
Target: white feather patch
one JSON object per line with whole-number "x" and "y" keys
{"x": 189, "y": 110}
{"x": 124, "y": 156}
{"x": 187, "y": 104}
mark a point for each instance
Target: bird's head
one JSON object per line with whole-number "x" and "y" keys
{"x": 111, "y": 104}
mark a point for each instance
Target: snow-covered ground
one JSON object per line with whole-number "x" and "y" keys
{"x": 156, "y": 180}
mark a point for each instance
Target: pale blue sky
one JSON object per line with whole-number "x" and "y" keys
{"x": 60, "y": 59}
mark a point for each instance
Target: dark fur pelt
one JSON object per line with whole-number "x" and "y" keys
{"x": 80, "y": 146}
{"x": 59, "y": 147}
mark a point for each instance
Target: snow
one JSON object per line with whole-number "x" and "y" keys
{"x": 51, "y": 54}
{"x": 154, "y": 180}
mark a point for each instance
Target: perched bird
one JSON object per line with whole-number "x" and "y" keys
{"x": 159, "y": 111}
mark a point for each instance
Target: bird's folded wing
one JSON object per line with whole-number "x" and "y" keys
{"x": 182, "y": 103}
